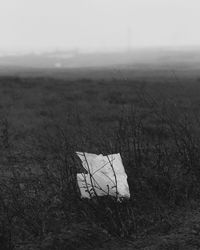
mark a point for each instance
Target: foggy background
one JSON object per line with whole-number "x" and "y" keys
{"x": 78, "y": 33}
{"x": 97, "y": 24}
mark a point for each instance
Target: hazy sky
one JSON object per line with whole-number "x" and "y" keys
{"x": 98, "y": 24}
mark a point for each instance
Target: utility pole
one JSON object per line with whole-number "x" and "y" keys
{"x": 129, "y": 36}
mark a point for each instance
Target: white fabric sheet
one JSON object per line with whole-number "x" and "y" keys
{"x": 106, "y": 176}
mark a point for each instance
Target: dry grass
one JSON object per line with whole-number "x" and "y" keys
{"x": 155, "y": 128}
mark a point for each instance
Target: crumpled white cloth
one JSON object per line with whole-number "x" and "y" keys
{"x": 105, "y": 176}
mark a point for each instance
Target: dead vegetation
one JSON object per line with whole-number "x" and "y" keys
{"x": 45, "y": 121}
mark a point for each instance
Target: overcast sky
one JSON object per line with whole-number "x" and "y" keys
{"x": 98, "y": 24}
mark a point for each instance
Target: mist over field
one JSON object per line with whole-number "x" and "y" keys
{"x": 183, "y": 58}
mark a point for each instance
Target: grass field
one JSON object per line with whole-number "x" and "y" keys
{"x": 152, "y": 121}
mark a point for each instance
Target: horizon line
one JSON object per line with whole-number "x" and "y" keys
{"x": 95, "y": 50}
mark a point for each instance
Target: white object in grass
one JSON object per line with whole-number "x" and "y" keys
{"x": 105, "y": 176}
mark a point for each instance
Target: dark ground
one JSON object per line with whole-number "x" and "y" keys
{"x": 152, "y": 121}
